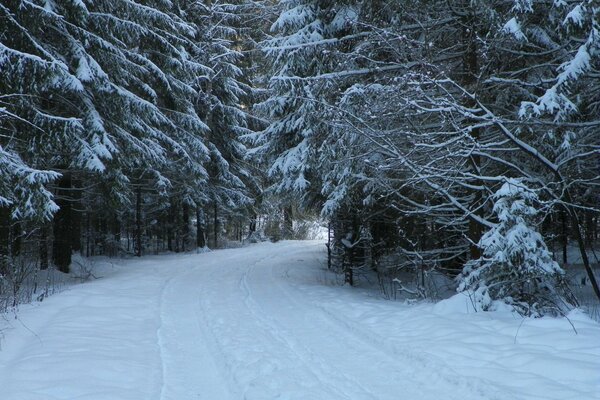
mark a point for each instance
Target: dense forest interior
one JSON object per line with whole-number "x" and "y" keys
{"x": 457, "y": 139}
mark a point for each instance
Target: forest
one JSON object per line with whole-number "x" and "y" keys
{"x": 461, "y": 136}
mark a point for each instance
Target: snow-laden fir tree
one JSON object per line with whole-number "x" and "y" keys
{"x": 42, "y": 125}
{"x": 398, "y": 147}
{"x": 516, "y": 268}
{"x": 310, "y": 69}
{"x": 38, "y": 95}
{"x": 148, "y": 106}
{"x": 557, "y": 52}
{"x": 145, "y": 72}
{"x": 224, "y": 104}
{"x": 104, "y": 88}
{"x": 302, "y": 82}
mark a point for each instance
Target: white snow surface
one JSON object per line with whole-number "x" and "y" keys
{"x": 264, "y": 322}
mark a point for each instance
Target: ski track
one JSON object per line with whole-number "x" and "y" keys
{"x": 190, "y": 369}
{"x": 429, "y": 370}
{"x": 225, "y": 325}
{"x": 335, "y": 381}
{"x": 160, "y": 341}
{"x": 342, "y": 339}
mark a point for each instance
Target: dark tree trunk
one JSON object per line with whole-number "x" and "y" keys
{"x": 469, "y": 79}
{"x": 200, "y": 233}
{"x": 216, "y": 223}
{"x": 158, "y": 237}
{"x": 288, "y": 223}
{"x": 62, "y": 249}
{"x": 88, "y": 234}
{"x": 93, "y": 233}
{"x": 17, "y": 236}
{"x": 171, "y": 226}
{"x": 76, "y": 217}
{"x": 128, "y": 235}
{"x": 170, "y": 246}
{"x": 103, "y": 227}
{"x": 163, "y": 232}
{"x": 349, "y": 270}
{"x": 581, "y": 244}
{"x": 117, "y": 230}
{"x": 178, "y": 227}
{"x": 565, "y": 237}
{"x": 185, "y": 226}
{"x": 329, "y": 244}
{"x": 43, "y": 247}
{"x": 138, "y": 223}
{"x": 253, "y": 224}
{"x": 5, "y": 222}
{"x": 589, "y": 228}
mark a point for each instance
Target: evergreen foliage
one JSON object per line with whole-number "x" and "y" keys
{"x": 516, "y": 267}
{"x": 124, "y": 123}
{"x": 417, "y": 110}
{"x": 118, "y": 120}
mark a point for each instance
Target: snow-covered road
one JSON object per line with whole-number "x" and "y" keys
{"x": 259, "y": 323}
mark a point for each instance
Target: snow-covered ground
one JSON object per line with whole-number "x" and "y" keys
{"x": 261, "y": 322}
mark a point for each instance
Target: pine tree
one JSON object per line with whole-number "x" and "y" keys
{"x": 112, "y": 85}
{"x": 516, "y": 267}
{"x": 224, "y": 106}
{"x": 296, "y": 105}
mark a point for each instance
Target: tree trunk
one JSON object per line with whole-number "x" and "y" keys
{"x": 88, "y": 233}
{"x": 200, "y": 234}
{"x": 138, "y": 223}
{"x": 117, "y": 231}
{"x": 185, "y": 226}
{"x": 17, "y": 236}
{"x": 62, "y": 249}
{"x": 470, "y": 72}
{"x": 5, "y": 222}
{"x": 589, "y": 228}
{"x": 565, "y": 237}
{"x": 329, "y": 244}
{"x": 253, "y": 223}
{"x": 216, "y": 224}
{"x": 579, "y": 237}
{"x": 76, "y": 217}
{"x": 43, "y": 246}
{"x": 288, "y": 223}
{"x": 172, "y": 226}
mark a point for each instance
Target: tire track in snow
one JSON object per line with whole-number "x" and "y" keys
{"x": 229, "y": 337}
{"x": 427, "y": 364}
{"x": 479, "y": 388}
{"x": 307, "y": 357}
{"x": 215, "y": 348}
{"x": 427, "y": 372}
{"x": 159, "y": 337}
{"x": 191, "y": 368}
{"x": 324, "y": 335}
{"x": 262, "y": 365}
